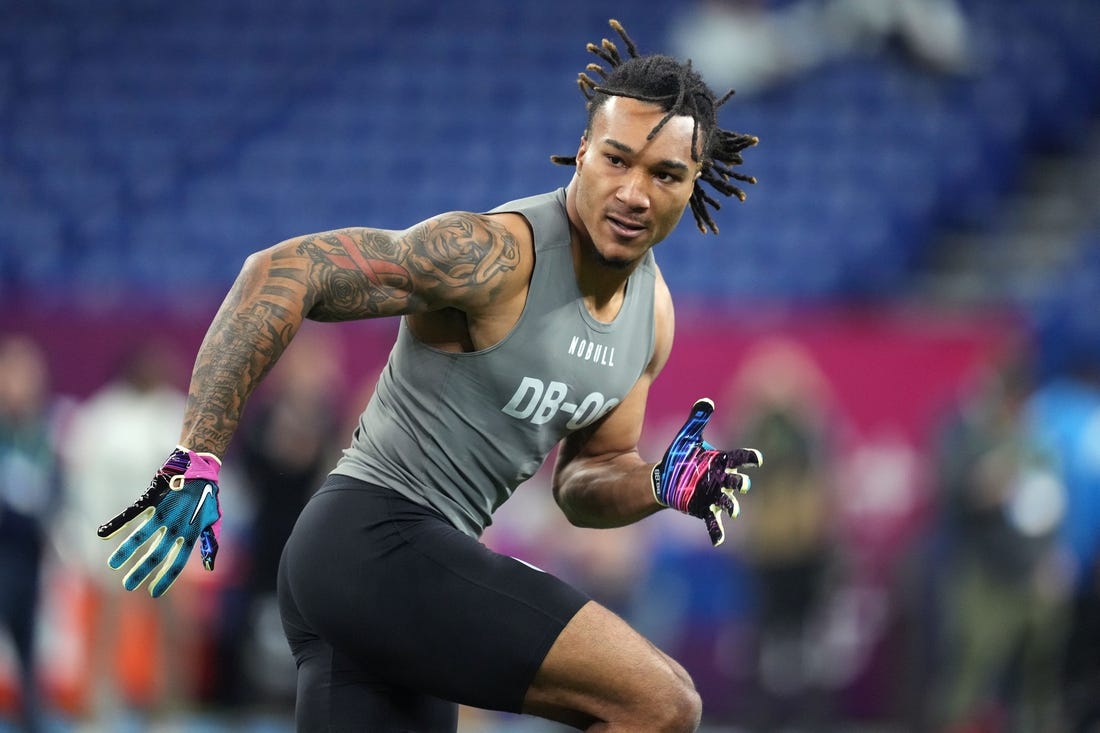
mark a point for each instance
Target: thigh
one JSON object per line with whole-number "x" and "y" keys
{"x": 336, "y": 695}
{"x": 602, "y": 670}
{"x": 412, "y": 603}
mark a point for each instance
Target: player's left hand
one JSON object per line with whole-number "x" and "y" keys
{"x": 179, "y": 508}
{"x": 696, "y": 479}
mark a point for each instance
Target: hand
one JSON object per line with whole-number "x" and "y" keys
{"x": 696, "y": 479}
{"x": 179, "y": 508}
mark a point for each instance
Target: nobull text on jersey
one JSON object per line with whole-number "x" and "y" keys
{"x": 591, "y": 351}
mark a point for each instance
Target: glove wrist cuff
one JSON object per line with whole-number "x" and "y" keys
{"x": 655, "y": 483}
{"x": 211, "y": 456}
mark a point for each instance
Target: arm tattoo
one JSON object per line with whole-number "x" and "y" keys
{"x": 356, "y": 274}
{"x": 452, "y": 260}
{"x": 462, "y": 251}
{"x": 246, "y": 338}
{"x": 363, "y": 273}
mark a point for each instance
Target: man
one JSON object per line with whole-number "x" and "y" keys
{"x": 546, "y": 320}
{"x": 29, "y": 486}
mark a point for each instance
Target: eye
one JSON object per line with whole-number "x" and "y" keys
{"x": 615, "y": 160}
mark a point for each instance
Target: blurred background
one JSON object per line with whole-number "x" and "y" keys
{"x": 904, "y": 316}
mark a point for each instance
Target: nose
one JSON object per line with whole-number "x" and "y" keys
{"x": 634, "y": 191}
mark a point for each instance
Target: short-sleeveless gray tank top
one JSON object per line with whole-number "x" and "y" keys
{"x": 460, "y": 431}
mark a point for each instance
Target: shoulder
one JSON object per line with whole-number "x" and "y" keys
{"x": 473, "y": 257}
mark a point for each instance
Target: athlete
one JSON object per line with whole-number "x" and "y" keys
{"x": 543, "y": 322}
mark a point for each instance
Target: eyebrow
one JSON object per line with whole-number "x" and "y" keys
{"x": 667, "y": 163}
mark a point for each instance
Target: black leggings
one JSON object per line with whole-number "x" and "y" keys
{"x": 395, "y": 617}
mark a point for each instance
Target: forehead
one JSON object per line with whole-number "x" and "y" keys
{"x": 629, "y": 121}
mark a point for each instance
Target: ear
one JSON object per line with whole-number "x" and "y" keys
{"x": 581, "y": 150}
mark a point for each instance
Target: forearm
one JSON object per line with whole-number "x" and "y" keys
{"x": 255, "y": 323}
{"x": 606, "y": 492}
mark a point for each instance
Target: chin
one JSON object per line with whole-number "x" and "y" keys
{"x": 613, "y": 262}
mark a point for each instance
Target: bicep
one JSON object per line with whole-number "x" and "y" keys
{"x": 452, "y": 260}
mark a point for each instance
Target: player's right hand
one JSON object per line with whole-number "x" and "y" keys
{"x": 179, "y": 508}
{"x": 699, "y": 480}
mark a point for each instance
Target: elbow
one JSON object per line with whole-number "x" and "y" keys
{"x": 567, "y": 502}
{"x": 256, "y": 269}
{"x": 283, "y": 274}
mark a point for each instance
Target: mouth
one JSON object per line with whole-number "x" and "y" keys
{"x": 625, "y": 227}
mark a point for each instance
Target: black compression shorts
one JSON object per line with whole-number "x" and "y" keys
{"x": 394, "y": 616}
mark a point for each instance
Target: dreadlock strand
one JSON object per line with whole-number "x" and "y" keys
{"x": 612, "y": 51}
{"x": 747, "y": 141}
{"x": 728, "y": 173}
{"x": 587, "y": 84}
{"x": 675, "y": 109}
{"x": 660, "y": 125}
{"x": 723, "y": 170}
{"x": 706, "y": 198}
{"x": 629, "y": 95}
{"x": 602, "y": 53}
{"x": 597, "y": 69}
{"x": 726, "y": 189}
{"x": 719, "y": 183}
{"x": 695, "y": 213}
{"x": 703, "y": 219}
{"x": 618, "y": 28}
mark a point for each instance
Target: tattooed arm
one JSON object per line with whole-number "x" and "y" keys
{"x": 454, "y": 260}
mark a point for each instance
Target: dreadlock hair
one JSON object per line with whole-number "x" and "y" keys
{"x": 679, "y": 90}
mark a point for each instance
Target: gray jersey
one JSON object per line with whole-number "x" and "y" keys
{"x": 458, "y": 432}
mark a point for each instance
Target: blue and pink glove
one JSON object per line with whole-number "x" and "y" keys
{"x": 179, "y": 508}
{"x": 696, "y": 479}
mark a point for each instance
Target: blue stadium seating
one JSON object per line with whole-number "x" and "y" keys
{"x": 138, "y": 133}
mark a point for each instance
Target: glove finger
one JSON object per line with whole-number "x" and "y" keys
{"x": 108, "y": 529}
{"x": 692, "y": 430}
{"x": 158, "y": 487}
{"x": 740, "y": 457}
{"x": 111, "y": 527}
{"x": 158, "y": 550}
{"x": 171, "y": 568}
{"x": 713, "y": 520}
{"x": 728, "y": 502}
{"x": 735, "y": 480}
{"x": 745, "y": 457}
{"x": 141, "y": 534}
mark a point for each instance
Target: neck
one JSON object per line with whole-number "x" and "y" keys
{"x": 602, "y": 285}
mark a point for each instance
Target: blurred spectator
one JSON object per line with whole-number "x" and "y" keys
{"x": 29, "y": 496}
{"x": 117, "y": 440}
{"x": 286, "y": 445}
{"x": 783, "y": 408}
{"x": 750, "y": 45}
{"x": 1064, "y": 419}
{"x": 1003, "y": 576}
